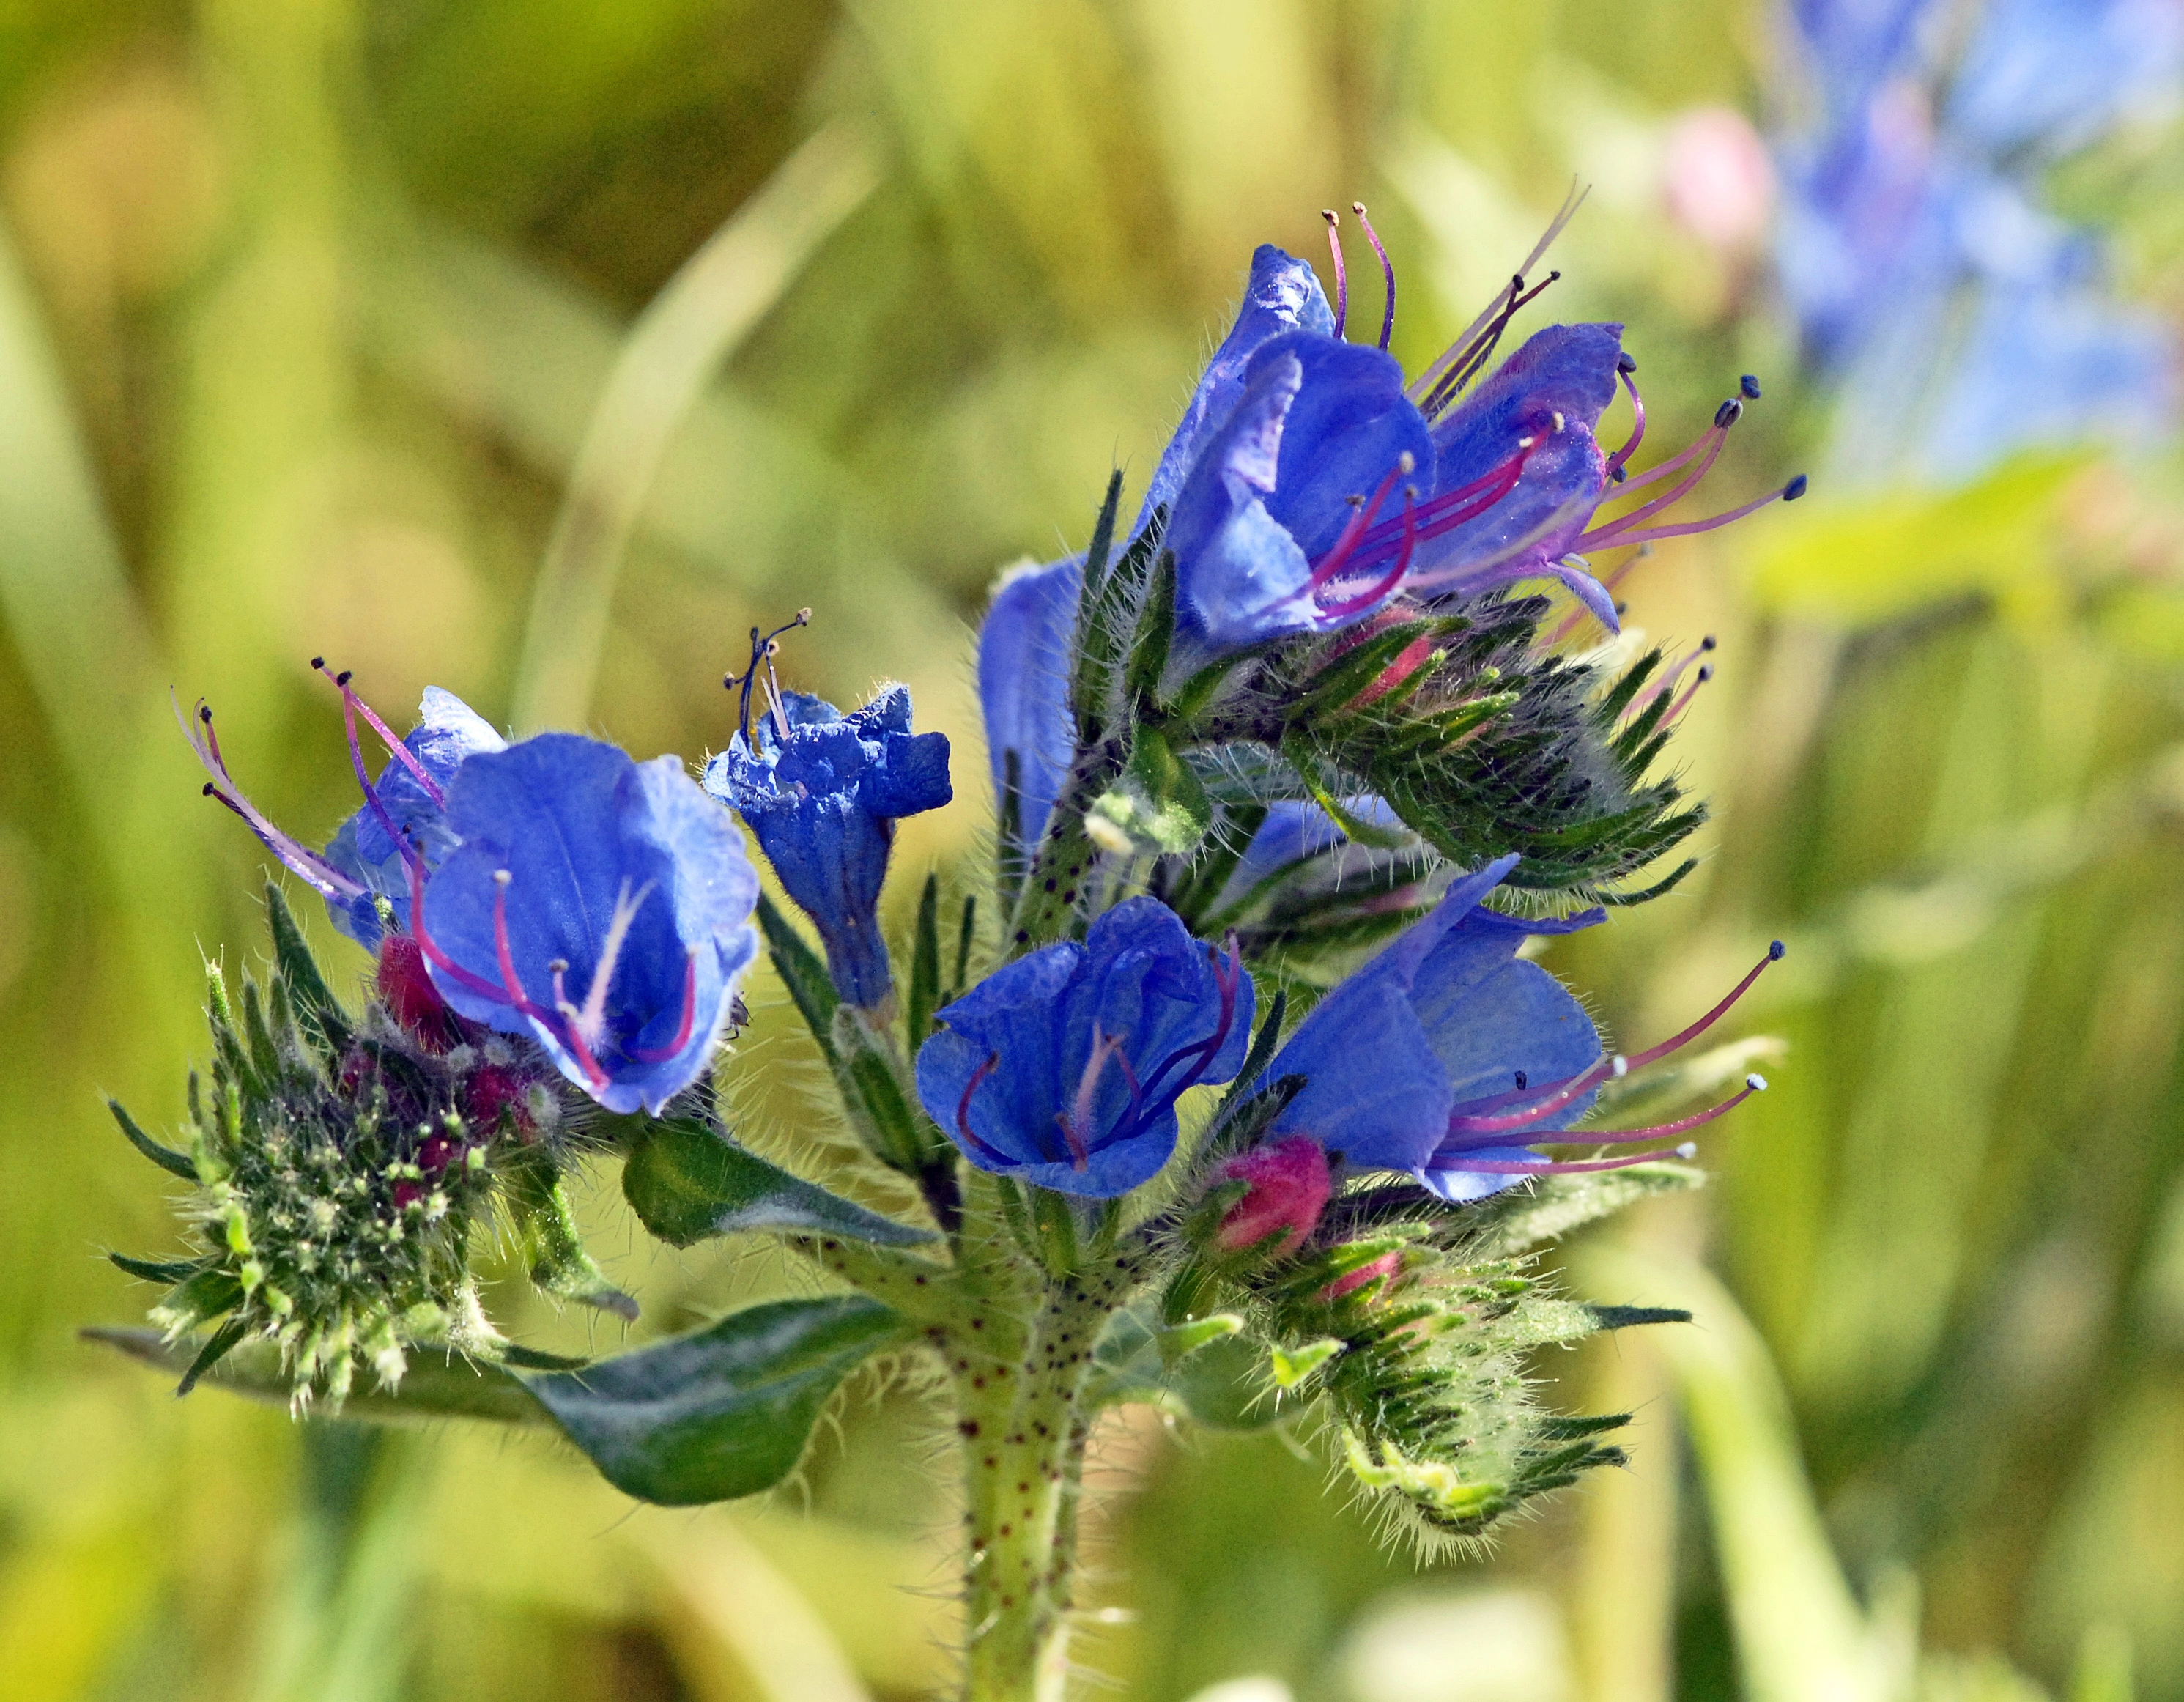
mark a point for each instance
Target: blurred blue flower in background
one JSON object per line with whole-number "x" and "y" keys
{"x": 1960, "y": 321}
{"x": 1063, "y": 1068}
{"x": 822, "y": 791}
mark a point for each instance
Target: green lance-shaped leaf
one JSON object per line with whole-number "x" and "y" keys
{"x": 316, "y": 1008}
{"x": 924, "y": 966}
{"x": 438, "y": 1384}
{"x": 802, "y": 972}
{"x": 167, "y": 1159}
{"x": 687, "y": 1181}
{"x": 720, "y": 1413}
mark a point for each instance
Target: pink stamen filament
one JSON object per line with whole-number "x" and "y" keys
{"x": 1606, "y": 533}
{"x": 660, "y": 1054}
{"x": 1448, "y": 510}
{"x": 1356, "y": 527}
{"x": 1553, "y": 1167}
{"x": 1622, "y": 457}
{"x": 1706, "y": 440}
{"x": 401, "y": 753}
{"x": 1689, "y": 692}
{"x": 379, "y": 810}
{"x": 1682, "y": 1125}
{"x": 1228, "y": 979}
{"x": 1342, "y": 272}
{"x": 323, "y": 877}
{"x": 512, "y": 986}
{"x": 1667, "y": 678}
{"x": 1387, "y": 274}
{"x": 438, "y": 959}
{"x": 963, "y": 1111}
{"x": 1615, "y": 1067}
{"x": 1654, "y": 535}
{"x": 1343, "y": 607}
{"x": 1077, "y": 1121}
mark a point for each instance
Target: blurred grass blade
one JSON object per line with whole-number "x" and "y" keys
{"x": 1800, "y": 1635}
{"x": 671, "y": 352}
{"x": 78, "y": 631}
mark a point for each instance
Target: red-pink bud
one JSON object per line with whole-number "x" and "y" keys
{"x": 1387, "y": 1264}
{"x": 1289, "y": 1187}
{"x": 491, "y": 1090}
{"x": 411, "y": 998}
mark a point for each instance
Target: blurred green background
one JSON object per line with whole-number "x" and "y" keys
{"x": 323, "y": 323}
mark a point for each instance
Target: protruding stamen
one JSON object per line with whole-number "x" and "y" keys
{"x": 1621, "y": 458}
{"x": 1773, "y": 956}
{"x": 1343, "y": 607}
{"x": 1454, "y": 381}
{"x": 371, "y": 798}
{"x": 1341, "y": 271}
{"x": 1654, "y": 535}
{"x": 354, "y": 705}
{"x": 1556, "y": 1167}
{"x": 1387, "y": 274}
{"x": 763, "y": 650}
{"x": 1748, "y": 387}
{"x": 1428, "y": 383}
{"x": 963, "y": 1111}
{"x": 1691, "y": 691}
{"x": 1355, "y": 528}
{"x": 1668, "y": 676}
{"x": 321, "y": 875}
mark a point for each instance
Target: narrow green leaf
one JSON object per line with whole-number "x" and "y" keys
{"x": 1291, "y": 1366}
{"x": 802, "y": 972}
{"x": 169, "y": 1271}
{"x": 924, "y": 966}
{"x": 720, "y": 1413}
{"x": 438, "y": 1384}
{"x": 214, "y": 1351}
{"x": 1103, "y": 535}
{"x": 315, "y": 1006}
{"x": 167, "y": 1159}
{"x": 965, "y": 932}
{"x": 1149, "y": 643}
{"x": 687, "y": 1181}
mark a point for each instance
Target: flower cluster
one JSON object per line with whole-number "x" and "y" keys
{"x": 1238, "y": 1090}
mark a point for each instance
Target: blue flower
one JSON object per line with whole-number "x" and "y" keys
{"x": 1309, "y": 486}
{"x": 599, "y": 905}
{"x": 1025, "y": 650}
{"x": 1447, "y": 1057}
{"x": 448, "y": 731}
{"x": 1063, "y": 1068}
{"x": 1446, "y": 1018}
{"x": 1268, "y": 542}
{"x": 823, "y": 791}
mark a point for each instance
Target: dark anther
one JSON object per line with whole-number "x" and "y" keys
{"x": 1728, "y": 414}
{"x": 1621, "y": 473}
{"x": 344, "y": 676}
{"x": 204, "y": 713}
{"x": 1626, "y": 362}
{"x": 208, "y": 789}
{"x": 1794, "y": 490}
{"x": 1774, "y": 950}
{"x": 1522, "y": 1082}
{"x": 1749, "y": 384}
{"x": 1709, "y": 642}
{"x": 318, "y": 662}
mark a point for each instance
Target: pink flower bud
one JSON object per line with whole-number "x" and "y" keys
{"x": 1387, "y": 1264}
{"x": 1289, "y": 1187}
{"x": 411, "y": 998}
